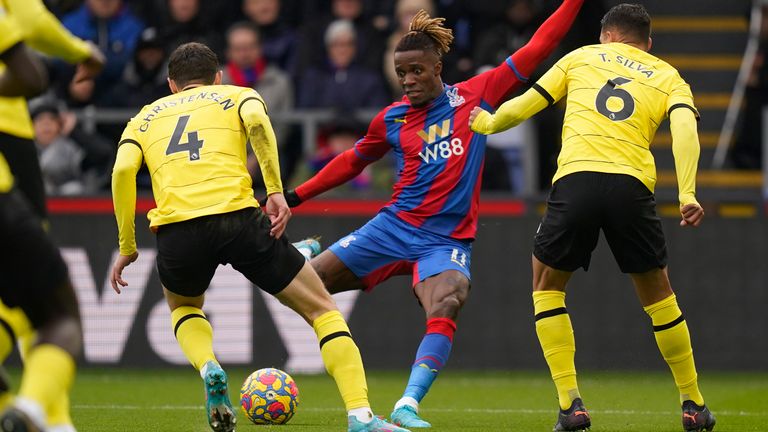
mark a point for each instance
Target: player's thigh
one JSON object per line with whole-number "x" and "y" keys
{"x": 442, "y": 274}
{"x": 570, "y": 228}
{"x": 335, "y": 275}
{"x": 22, "y": 158}
{"x": 270, "y": 263}
{"x": 372, "y": 253}
{"x": 306, "y": 295}
{"x": 35, "y": 277}
{"x": 632, "y": 227}
{"x": 444, "y": 294}
{"x": 185, "y": 263}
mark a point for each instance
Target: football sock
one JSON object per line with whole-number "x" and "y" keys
{"x": 555, "y": 332}
{"x": 48, "y": 375}
{"x": 194, "y": 334}
{"x": 674, "y": 342}
{"x": 342, "y": 359}
{"x": 433, "y": 353}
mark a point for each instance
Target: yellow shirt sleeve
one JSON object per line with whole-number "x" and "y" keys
{"x": 253, "y": 113}
{"x": 10, "y": 34}
{"x": 127, "y": 165}
{"x": 553, "y": 82}
{"x": 6, "y": 179}
{"x": 685, "y": 148}
{"x": 510, "y": 113}
{"x": 42, "y": 31}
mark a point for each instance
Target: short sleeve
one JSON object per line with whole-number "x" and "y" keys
{"x": 680, "y": 96}
{"x": 130, "y": 134}
{"x": 553, "y": 84}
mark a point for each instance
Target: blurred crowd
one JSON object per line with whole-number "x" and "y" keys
{"x": 298, "y": 54}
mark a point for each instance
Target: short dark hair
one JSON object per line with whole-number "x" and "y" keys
{"x": 193, "y": 62}
{"x": 631, "y": 19}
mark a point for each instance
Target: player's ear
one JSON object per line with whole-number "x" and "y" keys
{"x": 650, "y": 43}
{"x": 438, "y": 67}
{"x": 217, "y": 79}
{"x": 172, "y": 86}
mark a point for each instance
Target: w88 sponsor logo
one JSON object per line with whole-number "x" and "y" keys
{"x": 443, "y": 149}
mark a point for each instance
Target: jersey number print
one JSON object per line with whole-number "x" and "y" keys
{"x": 192, "y": 145}
{"x": 609, "y": 90}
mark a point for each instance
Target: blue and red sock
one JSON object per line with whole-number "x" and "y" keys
{"x": 432, "y": 355}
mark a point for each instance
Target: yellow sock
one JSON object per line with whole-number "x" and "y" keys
{"x": 553, "y": 327}
{"x": 194, "y": 334}
{"x": 342, "y": 359}
{"x": 674, "y": 342}
{"x": 58, "y": 413}
{"x": 48, "y": 375}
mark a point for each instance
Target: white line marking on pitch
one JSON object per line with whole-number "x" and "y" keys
{"x": 467, "y": 410}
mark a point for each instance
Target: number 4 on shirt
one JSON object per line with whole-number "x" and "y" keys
{"x": 192, "y": 145}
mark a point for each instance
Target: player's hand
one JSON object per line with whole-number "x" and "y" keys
{"x": 692, "y": 215}
{"x": 279, "y": 213}
{"x": 473, "y": 115}
{"x": 116, "y": 275}
{"x": 91, "y": 67}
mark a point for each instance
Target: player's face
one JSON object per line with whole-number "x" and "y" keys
{"x": 419, "y": 75}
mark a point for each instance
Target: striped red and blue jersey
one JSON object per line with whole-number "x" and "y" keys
{"x": 439, "y": 160}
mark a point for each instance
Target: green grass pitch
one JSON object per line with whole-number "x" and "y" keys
{"x": 110, "y": 400}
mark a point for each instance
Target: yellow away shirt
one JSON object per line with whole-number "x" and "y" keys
{"x": 6, "y": 179}
{"x": 40, "y": 30}
{"x": 194, "y": 145}
{"x": 617, "y": 97}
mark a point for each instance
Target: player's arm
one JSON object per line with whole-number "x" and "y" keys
{"x": 127, "y": 164}
{"x": 253, "y": 113}
{"x": 509, "y": 114}
{"x": 685, "y": 148}
{"x": 42, "y": 31}
{"x": 25, "y": 74}
{"x": 347, "y": 165}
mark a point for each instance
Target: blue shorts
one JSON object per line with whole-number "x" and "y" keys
{"x": 387, "y": 246}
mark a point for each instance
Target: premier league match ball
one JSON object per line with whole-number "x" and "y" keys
{"x": 269, "y": 396}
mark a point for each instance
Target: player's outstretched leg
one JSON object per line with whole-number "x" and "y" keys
{"x": 309, "y": 247}
{"x": 195, "y": 337}
{"x": 432, "y": 355}
{"x": 307, "y": 296}
{"x": 674, "y": 341}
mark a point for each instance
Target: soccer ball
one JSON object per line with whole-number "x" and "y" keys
{"x": 269, "y": 396}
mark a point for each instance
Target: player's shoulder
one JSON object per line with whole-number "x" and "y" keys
{"x": 392, "y": 111}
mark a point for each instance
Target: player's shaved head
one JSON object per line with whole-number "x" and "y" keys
{"x": 631, "y": 20}
{"x": 193, "y": 63}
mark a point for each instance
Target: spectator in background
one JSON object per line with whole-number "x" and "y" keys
{"x": 184, "y": 23}
{"x": 404, "y": 13}
{"x": 144, "y": 79}
{"x": 369, "y": 43}
{"x": 60, "y": 157}
{"x": 277, "y": 39}
{"x": 495, "y": 44}
{"x": 115, "y": 30}
{"x": 247, "y": 67}
{"x": 336, "y": 138}
{"x": 342, "y": 84}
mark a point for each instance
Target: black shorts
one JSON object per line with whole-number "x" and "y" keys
{"x": 33, "y": 277}
{"x": 188, "y": 252}
{"x": 581, "y": 204}
{"x": 21, "y": 155}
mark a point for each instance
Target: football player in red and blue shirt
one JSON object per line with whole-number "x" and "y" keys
{"x": 428, "y": 227}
